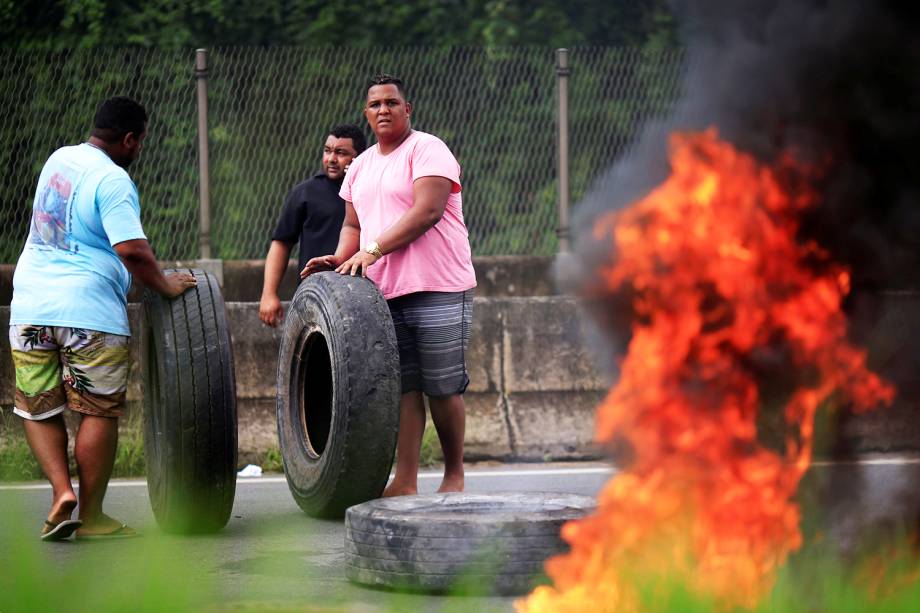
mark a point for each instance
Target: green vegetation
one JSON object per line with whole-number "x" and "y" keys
{"x": 269, "y": 108}
{"x": 16, "y": 460}
{"x": 18, "y": 464}
{"x": 431, "y": 453}
{"x": 47, "y": 101}
{"x": 129, "y": 457}
{"x": 271, "y": 461}
{"x": 480, "y": 73}
{"x": 879, "y": 582}
{"x": 148, "y": 575}
{"x": 363, "y": 23}
{"x": 154, "y": 574}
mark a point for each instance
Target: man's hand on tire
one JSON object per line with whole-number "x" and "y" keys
{"x": 318, "y": 264}
{"x": 178, "y": 282}
{"x": 357, "y": 264}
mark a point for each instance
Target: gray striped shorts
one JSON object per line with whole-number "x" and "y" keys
{"x": 433, "y": 332}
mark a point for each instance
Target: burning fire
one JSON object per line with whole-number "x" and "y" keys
{"x": 733, "y": 317}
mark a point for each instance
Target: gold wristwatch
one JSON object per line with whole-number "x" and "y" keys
{"x": 374, "y": 249}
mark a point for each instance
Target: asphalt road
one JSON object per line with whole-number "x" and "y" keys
{"x": 273, "y": 557}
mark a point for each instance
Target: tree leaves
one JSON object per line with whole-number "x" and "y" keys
{"x": 361, "y": 23}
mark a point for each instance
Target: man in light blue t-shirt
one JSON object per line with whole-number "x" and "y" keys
{"x": 68, "y": 318}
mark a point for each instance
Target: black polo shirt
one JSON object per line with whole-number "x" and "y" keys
{"x": 312, "y": 215}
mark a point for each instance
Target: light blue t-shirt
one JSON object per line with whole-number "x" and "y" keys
{"x": 69, "y": 274}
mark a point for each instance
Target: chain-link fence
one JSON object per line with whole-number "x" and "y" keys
{"x": 270, "y": 110}
{"x": 48, "y": 100}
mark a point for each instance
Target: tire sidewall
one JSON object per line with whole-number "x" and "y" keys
{"x": 353, "y": 318}
{"x": 191, "y": 482}
{"x": 156, "y": 369}
{"x": 306, "y": 473}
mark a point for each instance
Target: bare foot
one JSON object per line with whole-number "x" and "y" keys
{"x": 62, "y": 508}
{"x": 453, "y": 483}
{"x": 399, "y": 489}
{"x": 98, "y": 525}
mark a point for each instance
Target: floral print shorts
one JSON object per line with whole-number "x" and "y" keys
{"x": 59, "y": 367}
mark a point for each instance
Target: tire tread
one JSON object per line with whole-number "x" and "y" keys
{"x": 195, "y": 480}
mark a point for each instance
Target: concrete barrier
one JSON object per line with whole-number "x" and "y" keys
{"x": 532, "y": 393}
{"x": 534, "y": 382}
{"x": 241, "y": 280}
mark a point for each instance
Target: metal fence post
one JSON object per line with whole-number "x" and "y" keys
{"x": 204, "y": 191}
{"x": 562, "y": 123}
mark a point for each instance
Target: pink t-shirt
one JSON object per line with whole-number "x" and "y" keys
{"x": 380, "y": 188}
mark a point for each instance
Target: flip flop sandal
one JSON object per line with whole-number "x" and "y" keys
{"x": 124, "y": 531}
{"x": 60, "y": 531}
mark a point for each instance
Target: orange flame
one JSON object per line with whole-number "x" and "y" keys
{"x": 723, "y": 294}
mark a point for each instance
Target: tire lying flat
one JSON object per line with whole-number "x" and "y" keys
{"x": 476, "y": 543}
{"x": 338, "y": 391}
{"x": 190, "y": 423}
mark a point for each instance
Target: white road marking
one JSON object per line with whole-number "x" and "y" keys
{"x": 869, "y": 462}
{"x": 423, "y": 475}
{"x": 532, "y": 472}
{"x": 475, "y": 474}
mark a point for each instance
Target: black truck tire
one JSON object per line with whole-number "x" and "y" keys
{"x": 190, "y": 423}
{"x": 338, "y": 391}
{"x": 474, "y": 543}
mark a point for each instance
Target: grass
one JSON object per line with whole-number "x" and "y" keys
{"x": 16, "y": 460}
{"x": 271, "y": 461}
{"x": 129, "y": 456}
{"x": 431, "y": 453}
{"x": 154, "y": 574}
{"x": 18, "y": 464}
{"x": 884, "y": 581}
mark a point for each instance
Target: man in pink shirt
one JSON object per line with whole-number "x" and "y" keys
{"x": 403, "y": 204}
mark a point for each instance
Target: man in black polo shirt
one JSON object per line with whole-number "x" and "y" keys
{"x": 313, "y": 215}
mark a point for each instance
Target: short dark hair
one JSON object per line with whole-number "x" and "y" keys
{"x": 388, "y": 79}
{"x": 117, "y": 117}
{"x": 350, "y": 130}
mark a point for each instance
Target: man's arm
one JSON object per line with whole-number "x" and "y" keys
{"x": 140, "y": 262}
{"x": 276, "y": 262}
{"x": 429, "y": 199}
{"x": 287, "y": 232}
{"x": 349, "y": 239}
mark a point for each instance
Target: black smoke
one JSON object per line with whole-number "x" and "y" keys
{"x": 835, "y": 82}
